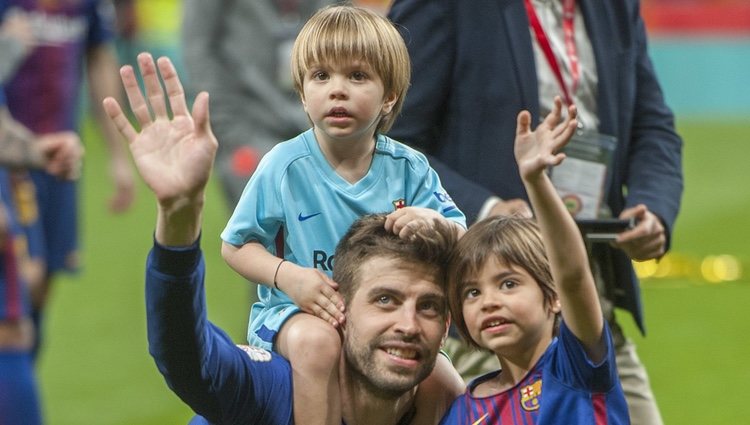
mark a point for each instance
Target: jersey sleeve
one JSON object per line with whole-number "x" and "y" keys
{"x": 428, "y": 192}
{"x": 571, "y": 364}
{"x": 259, "y": 213}
{"x": 217, "y": 379}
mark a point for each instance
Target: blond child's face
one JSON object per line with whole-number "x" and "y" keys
{"x": 345, "y": 101}
{"x": 504, "y": 310}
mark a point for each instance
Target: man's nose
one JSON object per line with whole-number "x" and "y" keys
{"x": 408, "y": 322}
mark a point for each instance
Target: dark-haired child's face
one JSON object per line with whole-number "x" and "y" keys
{"x": 504, "y": 310}
{"x": 345, "y": 101}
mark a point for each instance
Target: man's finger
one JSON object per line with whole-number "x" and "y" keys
{"x": 151, "y": 82}
{"x": 122, "y": 124}
{"x": 201, "y": 116}
{"x": 175, "y": 91}
{"x": 135, "y": 97}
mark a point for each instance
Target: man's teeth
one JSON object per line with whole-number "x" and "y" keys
{"x": 404, "y": 354}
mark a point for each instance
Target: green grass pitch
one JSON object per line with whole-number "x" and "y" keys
{"x": 95, "y": 367}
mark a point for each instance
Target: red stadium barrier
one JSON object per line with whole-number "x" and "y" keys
{"x": 699, "y": 17}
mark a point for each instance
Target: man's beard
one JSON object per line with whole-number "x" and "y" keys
{"x": 381, "y": 381}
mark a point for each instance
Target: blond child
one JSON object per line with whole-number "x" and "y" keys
{"x": 511, "y": 281}
{"x": 351, "y": 69}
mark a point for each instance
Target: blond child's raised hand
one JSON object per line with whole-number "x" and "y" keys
{"x": 538, "y": 149}
{"x": 173, "y": 155}
{"x": 406, "y": 221}
{"x": 313, "y": 291}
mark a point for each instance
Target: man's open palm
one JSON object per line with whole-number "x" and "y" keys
{"x": 173, "y": 155}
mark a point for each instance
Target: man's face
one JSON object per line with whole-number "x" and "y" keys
{"x": 394, "y": 327}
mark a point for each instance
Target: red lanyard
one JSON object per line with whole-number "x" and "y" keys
{"x": 570, "y": 45}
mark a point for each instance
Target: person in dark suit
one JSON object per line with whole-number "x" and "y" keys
{"x": 477, "y": 63}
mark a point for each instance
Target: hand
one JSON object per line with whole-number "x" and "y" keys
{"x": 174, "y": 156}
{"x": 62, "y": 153}
{"x": 313, "y": 291}
{"x": 511, "y": 207}
{"x": 647, "y": 240}
{"x": 405, "y": 222}
{"x": 122, "y": 177}
{"x": 536, "y": 150}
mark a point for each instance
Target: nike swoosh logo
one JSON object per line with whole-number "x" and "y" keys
{"x": 478, "y": 421}
{"x": 301, "y": 217}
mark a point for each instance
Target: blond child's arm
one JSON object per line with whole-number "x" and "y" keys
{"x": 312, "y": 290}
{"x": 535, "y": 151}
{"x": 406, "y": 221}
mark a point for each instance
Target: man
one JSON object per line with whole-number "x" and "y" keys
{"x": 395, "y": 296}
{"x": 476, "y": 64}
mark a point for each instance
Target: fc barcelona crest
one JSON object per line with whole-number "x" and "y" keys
{"x": 530, "y": 395}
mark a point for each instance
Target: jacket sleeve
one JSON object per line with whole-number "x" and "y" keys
{"x": 199, "y": 361}
{"x": 654, "y": 175}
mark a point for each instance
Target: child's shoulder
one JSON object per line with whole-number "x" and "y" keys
{"x": 285, "y": 153}
{"x": 399, "y": 151}
{"x": 299, "y": 144}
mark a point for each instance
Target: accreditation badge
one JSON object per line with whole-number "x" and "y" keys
{"x": 583, "y": 178}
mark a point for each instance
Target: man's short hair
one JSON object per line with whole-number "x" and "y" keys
{"x": 429, "y": 249}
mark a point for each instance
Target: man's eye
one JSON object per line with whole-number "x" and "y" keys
{"x": 319, "y": 75}
{"x": 384, "y": 299}
{"x": 431, "y": 307}
{"x": 359, "y": 76}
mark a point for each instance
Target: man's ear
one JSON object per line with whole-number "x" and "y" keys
{"x": 447, "y": 329}
{"x": 388, "y": 103}
{"x": 304, "y": 103}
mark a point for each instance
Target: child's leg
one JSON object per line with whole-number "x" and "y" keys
{"x": 439, "y": 389}
{"x": 313, "y": 347}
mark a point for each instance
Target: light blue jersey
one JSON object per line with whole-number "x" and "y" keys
{"x": 298, "y": 207}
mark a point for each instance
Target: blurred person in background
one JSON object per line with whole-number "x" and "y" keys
{"x": 67, "y": 40}
{"x": 239, "y": 51}
{"x": 478, "y": 63}
{"x": 19, "y": 398}
{"x": 59, "y": 154}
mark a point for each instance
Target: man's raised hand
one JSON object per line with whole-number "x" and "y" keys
{"x": 174, "y": 155}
